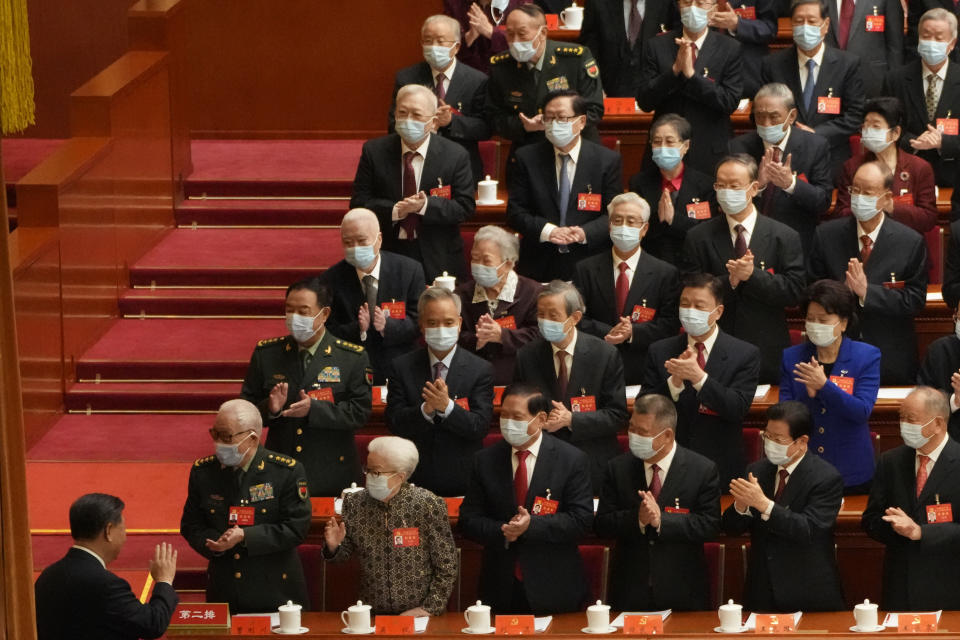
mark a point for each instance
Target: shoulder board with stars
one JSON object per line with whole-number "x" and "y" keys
{"x": 202, "y": 462}
{"x": 282, "y": 461}
{"x": 500, "y": 57}
{"x": 569, "y": 51}
{"x": 269, "y": 341}
{"x": 348, "y": 346}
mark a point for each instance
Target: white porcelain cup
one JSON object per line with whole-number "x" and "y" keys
{"x": 865, "y": 614}
{"x": 572, "y": 17}
{"x": 731, "y": 616}
{"x": 598, "y": 617}
{"x": 357, "y": 617}
{"x": 478, "y": 617}
{"x": 289, "y": 617}
{"x": 487, "y": 191}
{"x": 445, "y": 281}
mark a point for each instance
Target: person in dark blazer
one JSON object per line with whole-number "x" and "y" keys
{"x": 915, "y": 196}
{"x": 441, "y": 397}
{"x": 500, "y": 315}
{"x": 753, "y": 23}
{"x": 479, "y": 21}
{"x": 633, "y": 305}
{"x": 911, "y": 83}
{"x": 420, "y": 186}
{"x": 661, "y": 502}
{"x": 580, "y": 374}
{"x": 362, "y": 282}
{"x": 878, "y": 43}
{"x": 559, "y": 193}
{"x": 710, "y": 376}
{"x": 836, "y": 75}
{"x": 461, "y": 92}
{"x": 529, "y": 504}
{"x": 889, "y": 277}
{"x": 616, "y": 34}
{"x": 940, "y": 369}
{"x": 789, "y": 503}
{"x": 760, "y": 261}
{"x": 951, "y": 268}
{"x": 682, "y": 195}
{"x": 696, "y": 73}
{"x": 915, "y": 9}
{"x": 78, "y": 598}
{"x": 837, "y": 378}
{"x": 921, "y": 569}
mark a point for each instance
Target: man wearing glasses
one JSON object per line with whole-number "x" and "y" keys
{"x": 247, "y": 509}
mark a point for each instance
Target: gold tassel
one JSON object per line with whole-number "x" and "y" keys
{"x": 16, "y": 78}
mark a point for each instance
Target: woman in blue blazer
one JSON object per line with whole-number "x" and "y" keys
{"x": 838, "y": 379}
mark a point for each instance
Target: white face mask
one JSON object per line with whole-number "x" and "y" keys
{"x": 874, "y": 139}
{"x": 301, "y": 327}
{"x": 864, "y": 207}
{"x": 625, "y": 237}
{"x": 821, "y": 334}
{"x": 695, "y": 322}
{"x": 378, "y": 486}
{"x": 441, "y": 338}
{"x": 515, "y": 431}
{"x": 642, "y": 446}
{"x": 523, "y": 50}
{"x": 229, "y": 454}
{"x": 732, "y": 201}
{"x": 912, "y": 434}
{"x": 776, "y": 453}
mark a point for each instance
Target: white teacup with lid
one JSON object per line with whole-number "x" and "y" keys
{"x": 865, "y": 614}
{"x": 445, "y": 281}
{"x": 598, "y": 617}
{"x": 357, "y": 617}
{"x": 478, "y": 618}
{"x": 731, "y": 617}
{"x": 289, "y": 617}
{"x": 487, "y": 191}
{"x": 572, "y": 16}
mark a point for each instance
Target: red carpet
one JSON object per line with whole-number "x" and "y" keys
{"x": 203, "y": 302}
{"x": 150, "y": 396}
{"x": 277, "y": 213}
{"x": 20, "y": 155}
{"x": 135, "y": 555}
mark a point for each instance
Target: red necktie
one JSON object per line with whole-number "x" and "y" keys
{"x": 438, "y": 89}
{"x": 867, "y": 249}
{"x": 655, "y": 484}
{"x": 701, "y": 359}
{"x": 561, "y": 375}
{"x": 412, "y": 221}
{"x": 740, "y": 245}
{"x": 921, "y": 472}
{"x": 781, "y": 486}
{"x": 846, "y": 17}
{"x": 634, "y": 24}
{"x": 520, "y": 493}
{"x": 623, "y": 287}
{"x": 693, "y": 50}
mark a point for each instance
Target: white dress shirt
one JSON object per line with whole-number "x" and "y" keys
{"x": 631, "y": 267}
{"x": 574, "y": 154}
{"x": 93, "y": 553}
{"x": 446, "y": 362}
{"x": 447, "y": 74}
{"x": 872, "y": 235}
{"x": 628, "y": 9}
{"x": 417, "y": 163}
{"x": 531, "y": 460}
{"x": 933, "y": 455}
{"x": 941, "y": 73}
{"x": 664, "y": 465}
{"x": 707, "y": 348}
{"x": 748, "y": 224}
{"x": 802, "y": 61}
{"x": 567, "y": 358}
{"x": 375, "y": 272}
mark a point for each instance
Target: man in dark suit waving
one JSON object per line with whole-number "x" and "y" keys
{"x": 910, "y": 509}
{"x": 529, "y": 503}
{"x": 789, "y": 503}
{"x": 661, "y": 502}
{"x": 78, "y": 598}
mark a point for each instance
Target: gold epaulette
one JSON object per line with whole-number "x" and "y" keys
{"x": 500, "y": 57}
{"x": 569, "y": 51}
{"x": 280, "y": 460}
{"x": 202, "y": 462}
{"x": 269, "y": 341}
{"x": 348, "y": 346}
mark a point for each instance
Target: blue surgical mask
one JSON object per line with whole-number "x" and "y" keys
{"x": 441, "y": 338}
{"x": 560, "y": 134}
{"x": 360, "y": 256}
{"x": 807, "y": 36}
{"x": 523, "y": 50}
{"x": 229, "y": 454}
{"x": 301, "y": 327}
{"x": 695, "y": 322}
{"x": 485, "y": 276}
{"x": 436, "y": 56}
{"x": 642, "y": 446}
{"x": 379, "y": 486}
{"x": 667, "y": 158}
{"x": 412, "y": 131}
{"x": 874, "y": 139}
{"x": 551, "y": 330}
{"x": 912, "y": 434}
{"x": 732, "y": 201}
{"x": 515, "y": 431}
{"x": 933, "y": 52}
{"x": 624, "y": 237}
{"x": 772, "y": 134}
{"x": 694, "y": 18}
{"x": 776, "y": 453}
{"x": 864, "y": 207}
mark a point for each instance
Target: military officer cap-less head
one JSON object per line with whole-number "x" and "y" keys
{"x": 237, "y": 431}
{"x": 307, "y": 308}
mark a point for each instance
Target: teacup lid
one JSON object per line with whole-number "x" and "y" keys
{"x": 290, "y": 606}
{"x": 599, "y": 606}
{"x": 359, "y": 606}
{"x": 866, "y": 604}
{"x": 479, "y": 605}
{"x": 730, "y": 605}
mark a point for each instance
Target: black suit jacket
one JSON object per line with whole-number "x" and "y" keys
{"x": 754, "y": 35}
{"x": 941, "y": 361}
{"x": 879, "y": 51}
{"x": 840, "y": 73}
{"x": 951, "y": 269}
{"x": 401, "y": 279}
{"x": 378, "y": 186}
{"x": 810, "y": 159}
{"x": 906, "y": 83}
{"x": 654, "y": 570}
{"x": 710, "y": 422}
{"x": 597, "y": 371}
{"x": 915, "y": 9}
{"x": 535, "y": 200}
{"x": 756, "y": 310}
{"x": 77, "y": 599}
{"x": 921, "y": 575}
{"x": 793, "y": 565}
{"x": 546, "y": 553}
{"x": 886, "y": 318}
{"x": 666, "y": 240}
{"x": 655, "y": 285}
{"x": 706, "y": 99}
{"x": 446, "y": 445}
{"x": 467, "y": 93}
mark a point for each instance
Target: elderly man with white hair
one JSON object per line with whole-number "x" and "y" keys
{"x": 420, "y": 185}
{"x": 375, "y": 293}
{"x": 247, "y": 510}
{"x": 399, "y": 532}
{"x": 631, "y": 296}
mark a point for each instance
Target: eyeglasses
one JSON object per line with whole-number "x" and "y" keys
{"x": 767, "y": 436}
{"x": 857, "y": 191}
{"x": 703, "y": 4}
{"x": 378, "y": 474}
{"x": 561, "y": 119}
{"x": 227, "y": 438}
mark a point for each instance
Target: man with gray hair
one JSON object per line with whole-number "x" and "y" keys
{"x": 418, "y": 184}
{"x": 580, "y": 374}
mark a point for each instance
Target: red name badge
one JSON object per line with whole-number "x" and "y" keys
{"x": 498, "y": 394}
{"x": 442, "y": 192}
{"x": 588, "y": 202}
{"x": 948, "y": 126}
{"x": 323, "y": 507}
{"x": 643, "y": 625}
{"x": 875, "y": 24}
{"x": 544, "y": 506}
{"x": 917, "y": 622}
{"x": 241, "y": 516}
{"x": 506, "y": 322}
{"x": 324, "y": 394}
{"x": 828, "y": 105}
{"x": 553, "y": 21}
{"x": 189, "y": 615}
{"x": 707, "y": 411}
{"x": 894, "y": 284}
{"x": 642, "y": 314}
{"x": 514, "y": 625}
{"x": 393, "y": 625}
{"x": 803, "y": 177}
{"x": 618, "y": 106}
{"x": 583, "y": 404}
{"x": 377, "y": 393}
{"x": 250, "y": 626}
{"x": 774, "y": 623}
{"x": 939, "y": 513}
{"x": 698, "y": 210}
{"x": 463, "y": 403}
{"x": 453, "y": 506}
{"x": 676, "y": 510}
{"x": 395, "y": 310}
{"x": 746, "y": 13}
{"x": 904, "y": 199}
{"x": 845, "y": 383}
{"x": 406, "y": 537}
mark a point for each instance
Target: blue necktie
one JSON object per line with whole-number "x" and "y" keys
{"x": 564, "y": 196}
{"x": 811, "y": 81}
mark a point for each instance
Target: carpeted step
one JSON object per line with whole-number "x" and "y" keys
{"x": 237, "y": 257}
{"x": 135, "y": 555}
{"x": 261, "y": 212}
{"x": 202, "y": 302}
{"x": 149, "y": 396}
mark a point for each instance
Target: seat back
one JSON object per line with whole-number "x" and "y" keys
{"x": 311, "y": 557}
{"x": 490, "y": 157}
{"x": 796, "y": 336}
{"x": 611, "y": 142}
{"x": 752, "y": 445}
{"x": 716, "y": 555}
{"x": 934, "y": 239}
{"x": 596, "y": 565}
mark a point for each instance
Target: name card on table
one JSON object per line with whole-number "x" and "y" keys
{"x": 250, "y": 626}
{"x": 393, "y": 625}
{"x": 775, "y": 623}
{"x": 515, "y": 625}
{"x": 323, "y": 507}
{"x": 917, "y": 623}
{"x": 453, "y": 506}
{"x": 619, "y": 106}
{"x": 643, "y": 625}
{"x": 553, "y": 21}
{"x": 201, "y": 615}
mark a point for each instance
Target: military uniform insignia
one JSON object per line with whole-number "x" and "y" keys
{"x": 329, "y": 374}
{"x": 261, "y": 492}
{"x": 592, "y": 69}
{"x": 302, "y": 489}
{"x": 269, "y": 341}
{"x": 553, "y": 59}
{"x": 288, "y": 347}
{"x": 555, "y": 84}
{"x": 328, "y": 350}
{"x": 279, "y": 376}
{"x": 216, "y": 496}
{"x": 349, "y": 346}
{"x": 200, "y": 462}
{"x": 260, "y": 466}
{"x": 369, "y": 376}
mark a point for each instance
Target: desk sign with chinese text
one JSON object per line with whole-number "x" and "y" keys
{"x": 394, "y": 625}
{"x": 514, "y": 625}
{"x": 201, "y": 615}
{"x": 917, "y": 623}
{"x": 250, "y": 626}
{"x": 775, "y": 623}
{"x": 643, "y": 625}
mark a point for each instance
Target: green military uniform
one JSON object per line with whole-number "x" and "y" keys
{"x": 263, "y": 571}
{"x": 514, "y": 88}
{"x": 323, "y": 439}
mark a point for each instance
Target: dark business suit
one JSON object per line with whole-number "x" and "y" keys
{"x": 879, "y": 51}
{"x": 886, "y": 317}
{"x": 653, "y": 570}
{"x": 446, "y": 445}
{"x": 906, "y": 83}
{"x": 755, "y": 310}
{"x": 915, "y": 9}
{"x": 597, "y": 371}
{"x": 78, "y": 599}
{"x": 919, "y": 575}
{"x": 941, "y": 361}
{"x": 793, "y": 564}
{"x": 379, "y": 185}
{"x": 535, "y": 201}
{"x": 838, "y": 76}
{"x": 467, "y": 93}
{"x": 754, "y": 34}
{"x": 546, "y": 554}
{"x": 706, "y": 99}
{"x": 666, "y": 240}
{"x": 710, "y": 422}
{"x": 810, "y": 160}
{"x": 401, "y": 280}
{"x": 655, "y": 285}
{"x": 951, "y": 269}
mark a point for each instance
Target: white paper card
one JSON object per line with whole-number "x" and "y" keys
{"x": 934, "y": 296}
{"x": 540, "y": 624}
{"x": 762, "y": 391}
{"x": 892, "y": 622}
{"x": 618, "y": 621}
{"x": 751, "y": 622}
{"x": 420, "y": 623}
{"x": 893, "y": 393}
{"x": 632, "y": 391}
{"x": 274, "y": 617}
